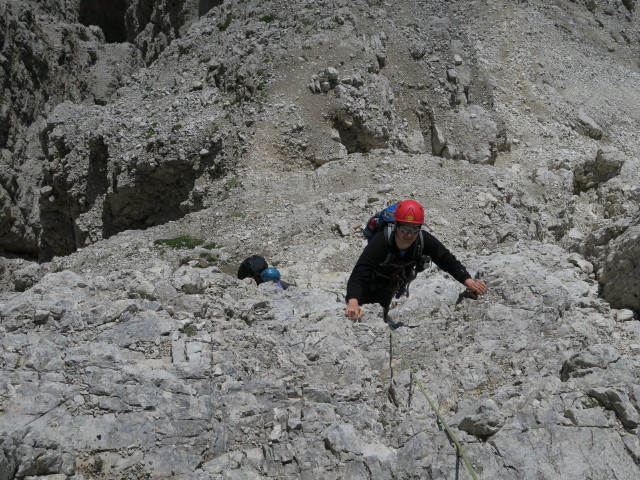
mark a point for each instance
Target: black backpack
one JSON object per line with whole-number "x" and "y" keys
{"x": 251, "y": 266}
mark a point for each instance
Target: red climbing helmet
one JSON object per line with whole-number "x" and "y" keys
{"x": 409, "y": 211}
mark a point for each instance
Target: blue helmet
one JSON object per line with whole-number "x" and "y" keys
{"x": 270, "y": 275}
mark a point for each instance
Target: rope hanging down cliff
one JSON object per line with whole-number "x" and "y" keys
{"x": 452, "y": 436}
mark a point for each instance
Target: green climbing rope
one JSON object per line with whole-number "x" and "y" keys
{"x": 452, "y": 435}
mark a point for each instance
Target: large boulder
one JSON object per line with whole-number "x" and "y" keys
{"x": 620, "y": 277}
{"x": 606, "y": 165}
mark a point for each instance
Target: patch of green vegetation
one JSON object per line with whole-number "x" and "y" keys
{"x": 210, "y": 246}
{"x": 268, "y": 18}
{"x": 600, "y": 24}
{"x": 182, "y": 241}
{"x": 285, "y": 237}
{"x": 204, "y": 60}
{"x": 151, "y": 131}
{"x": 176, "y": 127}
{"x": 98, "y": 465}
{"x": 223, "y": 26}
{"x": 238, "y": 215}
{"x": 233, "y": 182}
{"x": 592, "y": 403}
{"x": 209, "y": 257}
{"x": 190, "y": 330}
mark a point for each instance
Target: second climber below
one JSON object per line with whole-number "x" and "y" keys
{"x": 390, "y": 261}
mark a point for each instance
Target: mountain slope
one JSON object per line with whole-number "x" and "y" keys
{"x": 277, "y": 128}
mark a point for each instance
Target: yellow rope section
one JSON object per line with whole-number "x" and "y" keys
{"x": 452, "y": 435}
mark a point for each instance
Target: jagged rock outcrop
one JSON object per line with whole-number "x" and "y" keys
{"x": 612, "y": 247}
{"x": 278, "y": 128}
{"x": 588, "y": 126}
{"x": 228, "y": 69}
{"x": 82, "y": 52}
{"x": 606, "y": 165}
{"x": 620, "y": 275}
{"x": 147, "y": 371}
{"x": 90, "y": 188}
{"x": 483, "y": 420}
{"x": 45, "y": 61}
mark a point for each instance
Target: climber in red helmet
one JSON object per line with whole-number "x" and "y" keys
{"x": 390, "y": 261}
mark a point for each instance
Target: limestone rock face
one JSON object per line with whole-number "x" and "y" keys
{"x": 606, "y": 165}
{"x": 484, "y": 420}
{"x": 46, "y": 59}
{"x": 621, "y": 270}
{"x": 176, "y": 371}
{"x": 148, "y": 147}
{"x": 145, "y": 130}
{"x": 94, "y": 188}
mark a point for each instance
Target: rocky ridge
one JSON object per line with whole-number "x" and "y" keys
{"x": 277, "y": 129}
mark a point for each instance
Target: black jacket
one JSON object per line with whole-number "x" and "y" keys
{"x": 382, "y": 264}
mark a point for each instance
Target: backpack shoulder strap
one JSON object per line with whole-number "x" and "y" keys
{"x": 389, "y": 229}
{"x": 420, "y": 245}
